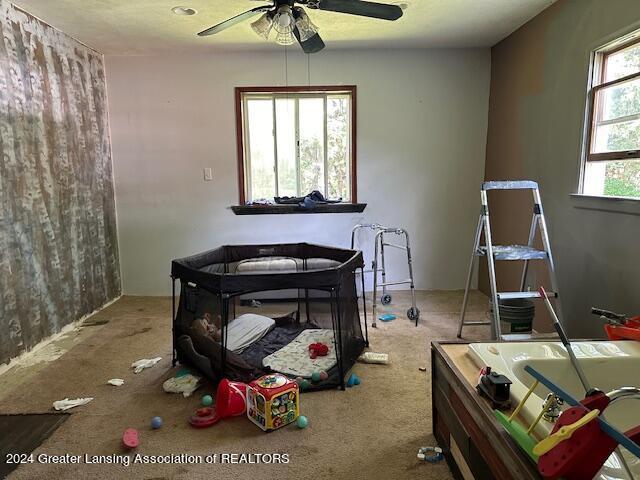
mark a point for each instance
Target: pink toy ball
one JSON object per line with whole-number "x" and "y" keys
{"x": 323, "y": 375}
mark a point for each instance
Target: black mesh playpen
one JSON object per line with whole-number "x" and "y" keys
{"x": 303, "y": 291}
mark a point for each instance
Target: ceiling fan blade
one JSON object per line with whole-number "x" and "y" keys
{"x": 234, "y": 20}
{"x": 312, "y": 44}
{"x": 357, "y": 7}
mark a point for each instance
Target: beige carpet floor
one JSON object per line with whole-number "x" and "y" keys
{"x": 367, "y": 432}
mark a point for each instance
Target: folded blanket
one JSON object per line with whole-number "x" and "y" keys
{"x": 247, "y": 329}
{"x": 293, "y": 359}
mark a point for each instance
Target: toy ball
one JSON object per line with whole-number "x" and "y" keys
{"x": 323, "y": 375}
{"x": 207, "y": 400}
{"x": 156, "y": 422}
{"x": 304, "y": 384}
{"x": 298, "y": 380}
{"x": 302, "y": 422}
{"x": 315, "y": 376}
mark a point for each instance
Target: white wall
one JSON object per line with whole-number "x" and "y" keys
{"x": 422, "y": 122}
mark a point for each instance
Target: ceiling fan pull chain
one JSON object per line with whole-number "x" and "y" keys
{"x": 286, "y": 67}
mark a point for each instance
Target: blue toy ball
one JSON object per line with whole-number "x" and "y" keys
{"x": 207, "y": 400}
{"x": 315, "y": 376}
{"x": 302, "y": 422}
{"x": 304, "y": 384}
{"x": 156, "y": 422}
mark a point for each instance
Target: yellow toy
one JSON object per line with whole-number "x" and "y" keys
{"x": 273, "y": 401}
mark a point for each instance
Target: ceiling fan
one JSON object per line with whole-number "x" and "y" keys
{"x": 291, "y": 22}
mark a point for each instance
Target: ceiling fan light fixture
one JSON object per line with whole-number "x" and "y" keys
{"x": 285, "y": 38}
{"x": 283, "y": 24}
{"x": 263, "y": 25}
{"x": 306, "y": 27}
{"x": 283, "y": 21}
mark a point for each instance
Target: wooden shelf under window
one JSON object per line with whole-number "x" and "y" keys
{"x": 293, "y": 209}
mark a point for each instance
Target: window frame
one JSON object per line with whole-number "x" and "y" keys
{"x": 240, "y": 93}
{"x": 599, "y": 64}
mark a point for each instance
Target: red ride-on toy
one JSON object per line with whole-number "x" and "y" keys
{"x": 619, "y": 326}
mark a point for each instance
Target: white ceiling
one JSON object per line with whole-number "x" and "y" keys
{"x": 138, "y": 27}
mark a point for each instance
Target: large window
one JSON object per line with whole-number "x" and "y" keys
{"x": 293, "y": 140}
{"x": 612, "y": 147}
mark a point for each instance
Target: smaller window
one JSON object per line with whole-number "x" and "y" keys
{"x": 294, "y": 140}
{"x": 612, "y": 153}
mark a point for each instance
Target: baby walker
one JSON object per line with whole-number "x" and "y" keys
{"x": 378, "y": 264}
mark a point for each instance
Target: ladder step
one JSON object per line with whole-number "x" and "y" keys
{"x": 510, "y": 337}
{"x": 510, "y": 185}
{"x": 466, "y": 324}
{"x": 514, "y": 252}
{"x": 514, "y": 295}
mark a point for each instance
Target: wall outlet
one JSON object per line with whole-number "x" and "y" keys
{"x": 208, "y": 175}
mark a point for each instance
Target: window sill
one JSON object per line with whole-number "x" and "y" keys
{"x": 629, "y": 206}
{"x": 294, "y": 209}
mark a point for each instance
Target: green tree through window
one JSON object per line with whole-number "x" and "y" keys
{"x": 622, "y": 179}
{"x": 612, "y": 164}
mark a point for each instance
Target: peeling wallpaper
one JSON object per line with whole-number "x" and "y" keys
{"x": 58, "y": 243}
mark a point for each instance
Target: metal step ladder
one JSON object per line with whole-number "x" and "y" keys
{"x": 495, "y": 253}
